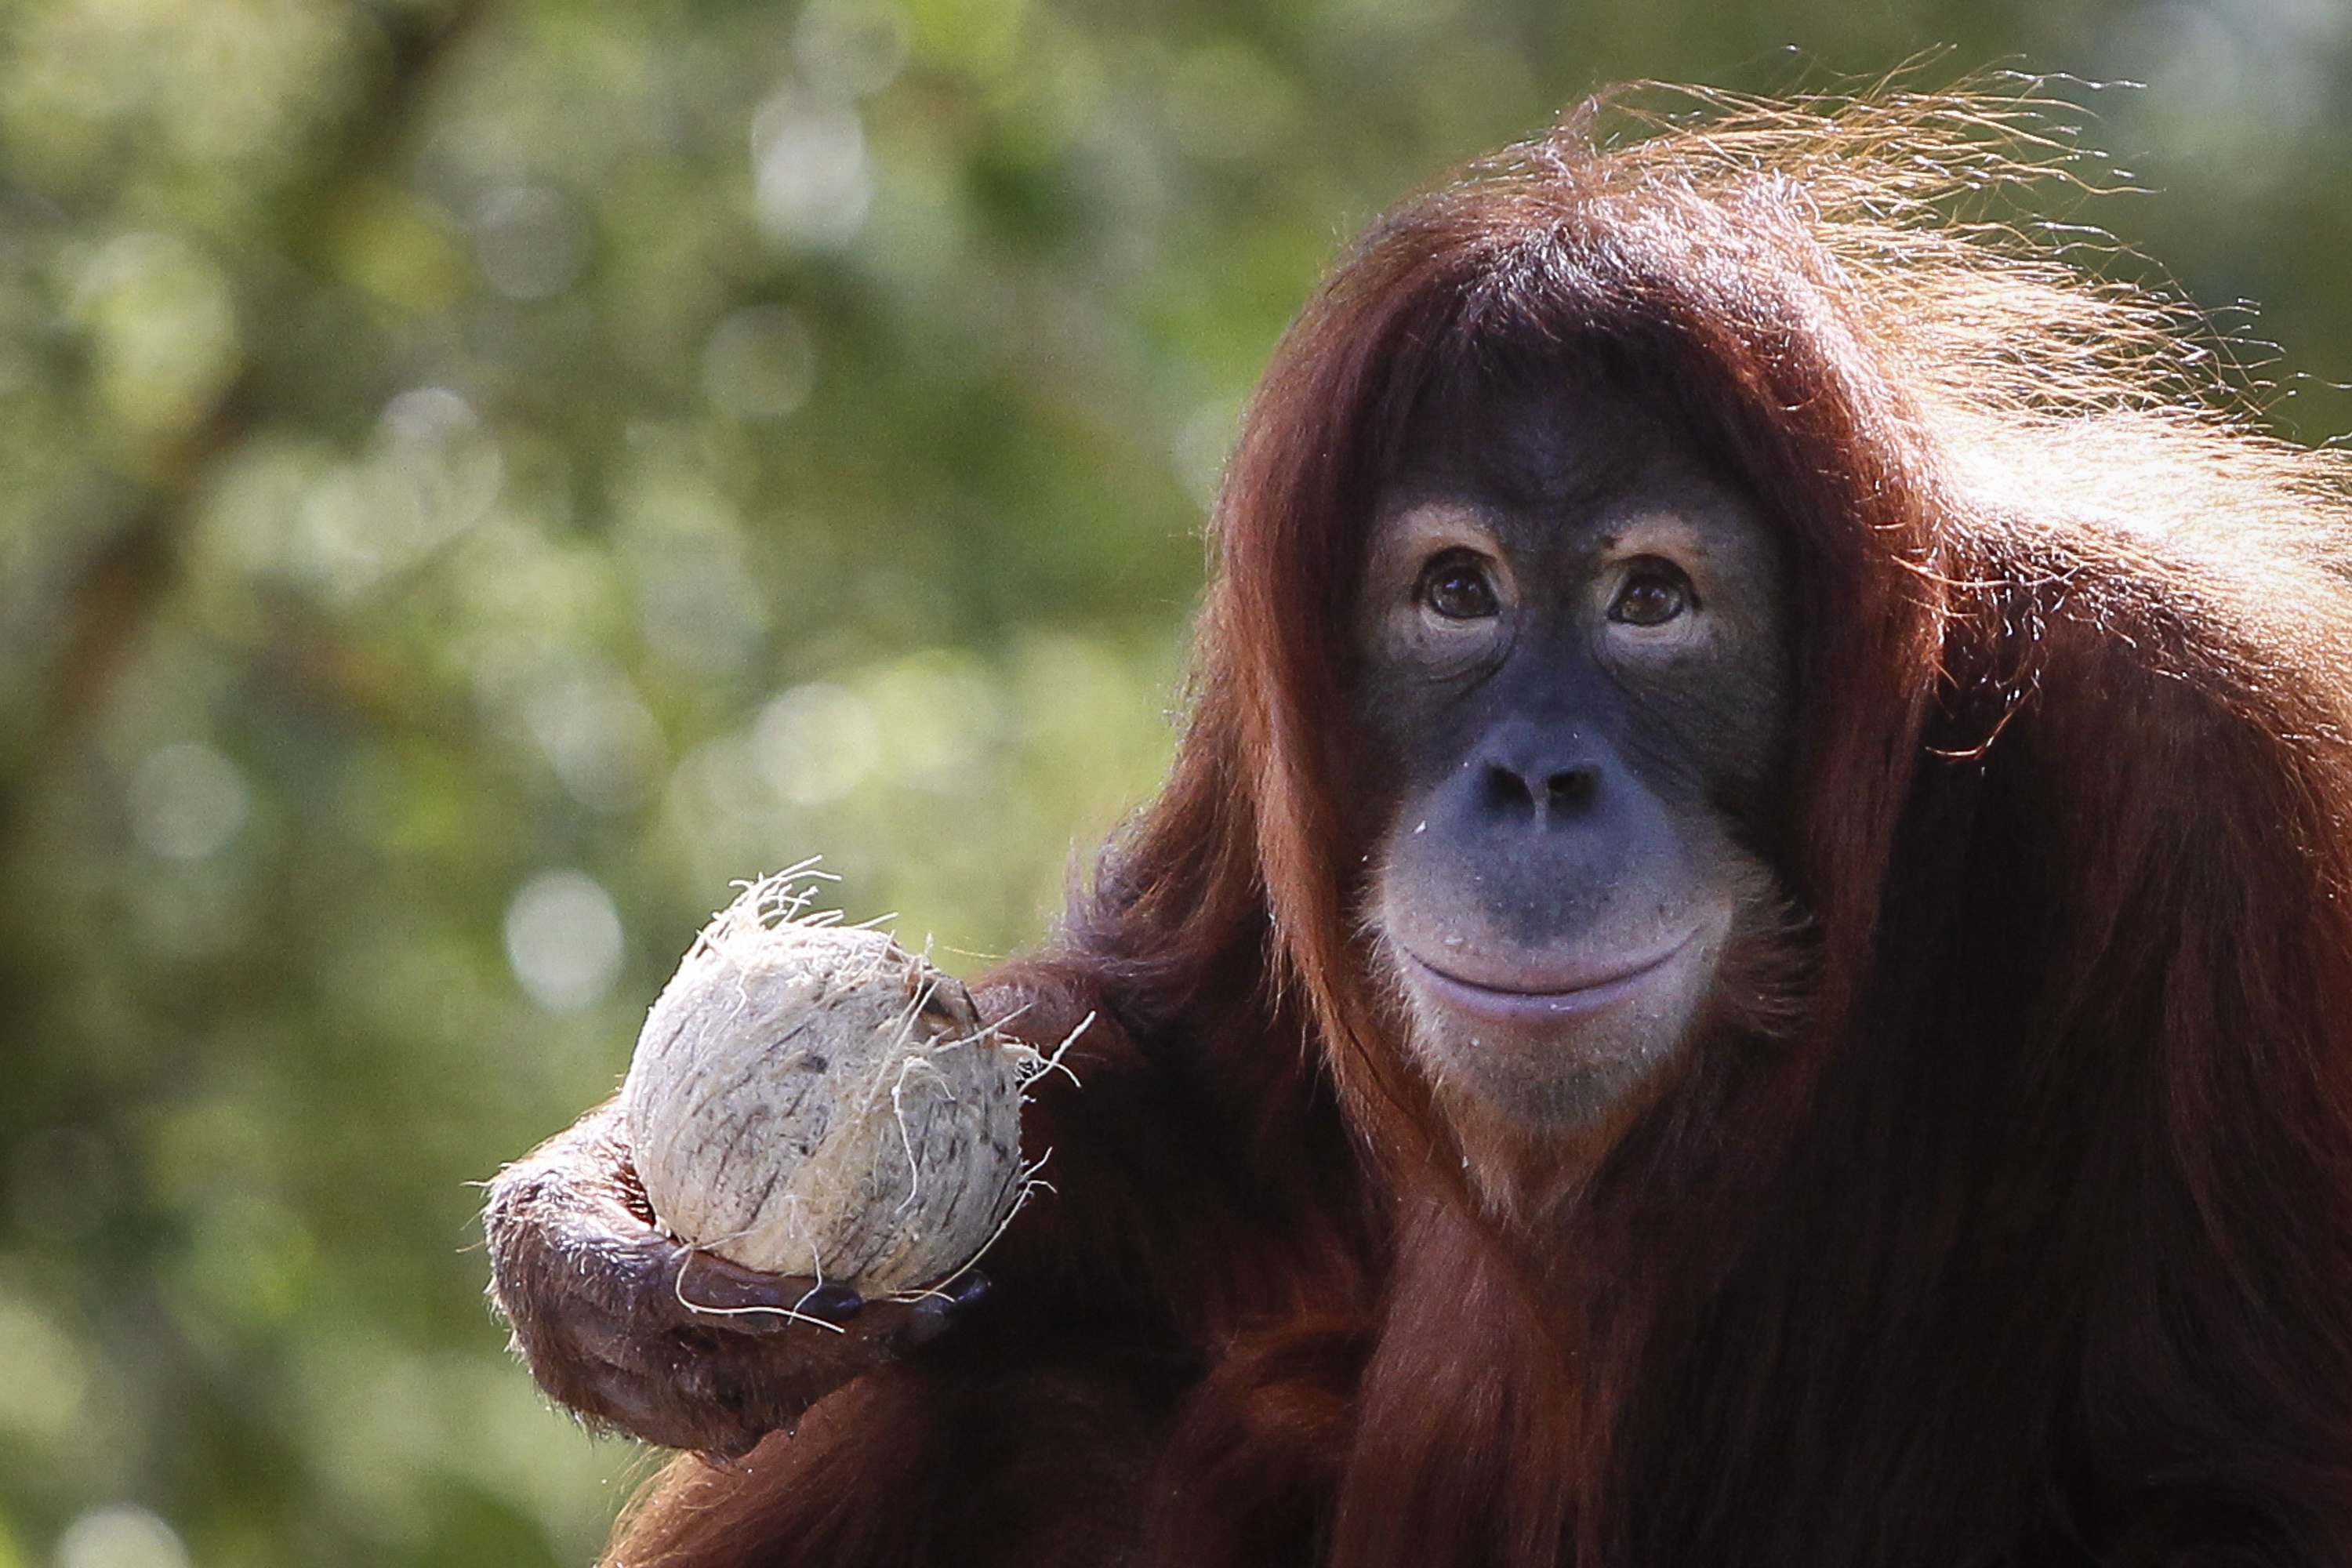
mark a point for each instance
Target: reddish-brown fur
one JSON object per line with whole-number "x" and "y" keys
{"x": 2028, "y": 1239}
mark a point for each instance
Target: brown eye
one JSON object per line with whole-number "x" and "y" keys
{"x": 1455, "y": 587}
{"x": 1655, "y": 592}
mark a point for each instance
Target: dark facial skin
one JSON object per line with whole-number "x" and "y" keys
{"x": 1573, "y": 654}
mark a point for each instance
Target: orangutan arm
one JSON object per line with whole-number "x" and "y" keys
{"x": 1140, "y": 1216}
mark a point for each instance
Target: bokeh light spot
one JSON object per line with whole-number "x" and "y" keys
{"x": 936, "y": 712}
{"x": 817, "y": 743}
{"x": 187, "y": 801}
{"x": 121, "y": 1536}
{"x": 564, "y": 940}
{"x": 432, "y": 470}
{"x": 162, "y": 329}
{"x": 597, "y": 735}
{"x": 530, "y": 241}
{"x": 811, "y": 184}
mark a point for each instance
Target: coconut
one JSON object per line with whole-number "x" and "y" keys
{"x": 809, "y": 1098}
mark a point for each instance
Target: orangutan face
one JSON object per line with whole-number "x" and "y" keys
{"x": 1573, "y": 646}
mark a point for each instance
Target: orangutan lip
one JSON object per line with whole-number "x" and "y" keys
{"x": 1507, "y": 1003}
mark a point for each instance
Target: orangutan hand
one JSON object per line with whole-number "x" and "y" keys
{"x": 636, "y": 1332}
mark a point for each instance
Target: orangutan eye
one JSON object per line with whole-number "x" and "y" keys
{"x": 1455, "y": 587}
{"x": 1654, "y": 592}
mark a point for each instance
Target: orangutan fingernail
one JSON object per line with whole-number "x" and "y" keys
{"x": 834, "y": 1303}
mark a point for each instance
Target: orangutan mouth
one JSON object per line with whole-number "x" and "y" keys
{"x": 1521, "y": 998}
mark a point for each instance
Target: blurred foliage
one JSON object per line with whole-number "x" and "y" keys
{"x": 480, "y": 475}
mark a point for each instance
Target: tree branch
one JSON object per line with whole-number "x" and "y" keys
{"x": 125, "y": 578}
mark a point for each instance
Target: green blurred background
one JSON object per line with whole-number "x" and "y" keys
{"x": 475, "y": 479}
